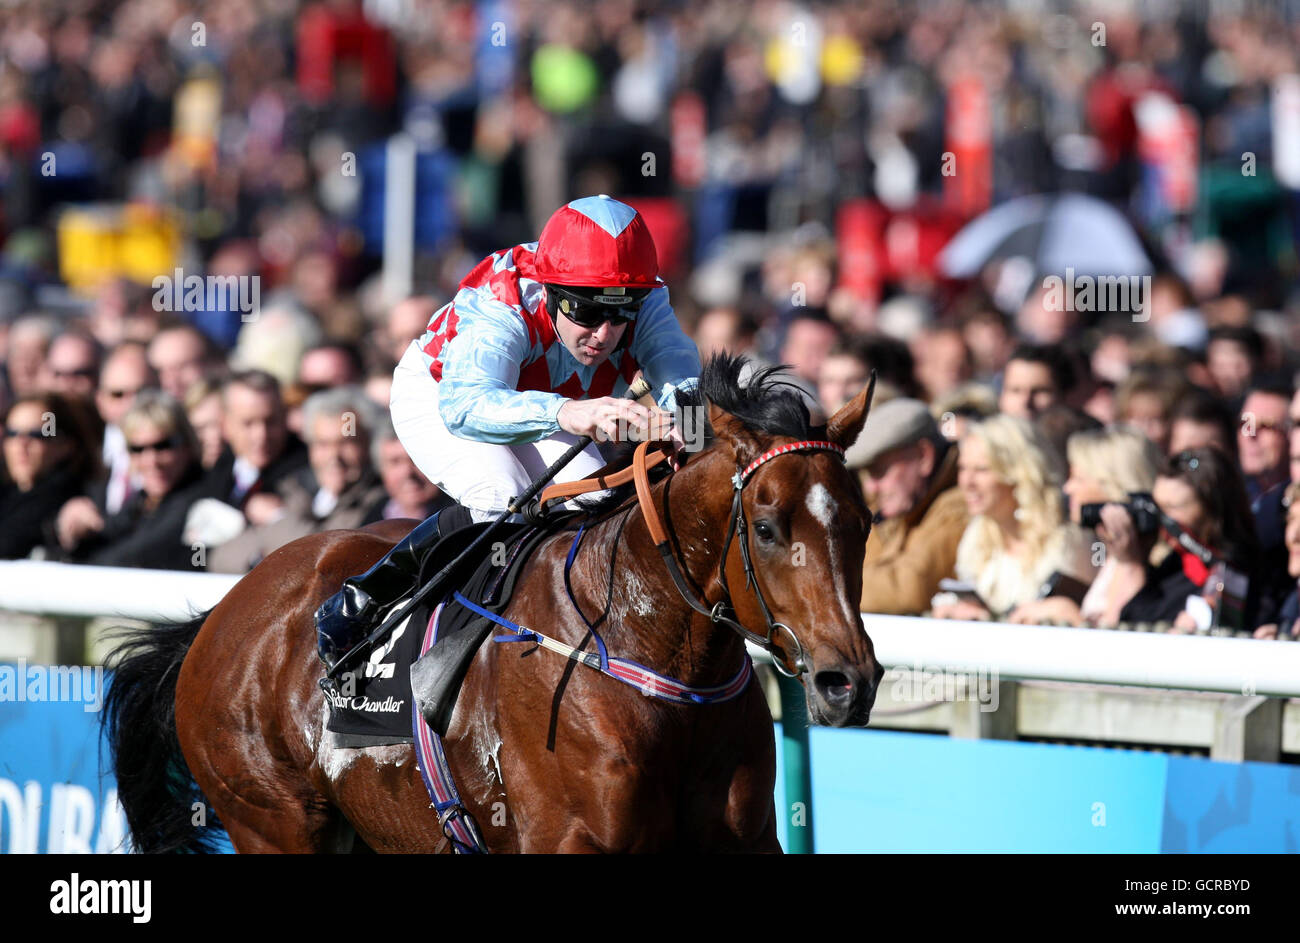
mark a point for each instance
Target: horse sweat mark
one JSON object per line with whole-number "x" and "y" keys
{"x": 637, "y": 596}
{"x": 336, "y": 760}
{"x": 487, "y": 744}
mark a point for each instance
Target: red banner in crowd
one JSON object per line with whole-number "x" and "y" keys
{"x": 670, "y": 228}
{"x": 331, "y": 40}
{"x": 877, "y": 245}
{"x": 968, "y": 160}
{"x": 688, "y": 123}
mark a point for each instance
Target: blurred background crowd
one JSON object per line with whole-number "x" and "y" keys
{"x": 841, "y": 187}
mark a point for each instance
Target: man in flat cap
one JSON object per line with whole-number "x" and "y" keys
{"x": 909, "y": 476}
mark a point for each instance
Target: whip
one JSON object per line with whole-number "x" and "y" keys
{"x": 638, "y": 389}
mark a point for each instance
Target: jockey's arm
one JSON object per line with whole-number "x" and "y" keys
{"x": 477, "y": 398}
{"x": 668, "y": 358}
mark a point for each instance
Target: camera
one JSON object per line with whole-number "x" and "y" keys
{"x": 1141, "y": 509}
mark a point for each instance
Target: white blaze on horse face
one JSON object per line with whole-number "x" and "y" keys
{"x": 824, "y": 508}
{"x": 821, "y": 505}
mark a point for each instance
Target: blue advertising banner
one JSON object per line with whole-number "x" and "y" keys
{"x": 876, "y": 790}
{"x": 873, "y": 791}
{"x": 52, "y": 798}
{"x": 1231, "y": 807}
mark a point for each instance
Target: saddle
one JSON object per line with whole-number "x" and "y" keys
{"x": 395, "y": 673}
{"x": 373, "y": 707}
{"x": 437, "y": 676}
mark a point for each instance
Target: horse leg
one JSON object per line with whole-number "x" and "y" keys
{"x": 245, "y": 700}
{"x": 272, "y": 810}
{"x": 732, "y": 809}
{"x": 257, "y": 786}
{"x": 578, "y": 843}
{"x": 379, "y": 791}
{"x": 342, "y": 839}
{"x": 250, "y": 842}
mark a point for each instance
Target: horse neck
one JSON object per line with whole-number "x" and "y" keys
{"x": 649, "y": 621}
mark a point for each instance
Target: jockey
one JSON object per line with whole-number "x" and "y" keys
{"x": 532, "y": 353}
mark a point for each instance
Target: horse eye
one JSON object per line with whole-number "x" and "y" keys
{"x": 763, "y": 530}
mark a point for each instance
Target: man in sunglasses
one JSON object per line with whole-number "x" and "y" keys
{"x": 533, "y": 352}
{"x": 72, "y": 365}
{"x": 125, "y": 373}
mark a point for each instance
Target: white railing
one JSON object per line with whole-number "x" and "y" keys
{"x": 62, "y": 589}
{"x": 1090, "y": 656}
{"x": 1228, "y": 665}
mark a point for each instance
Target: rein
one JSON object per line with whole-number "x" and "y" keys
{"x": 780, "y": 641}
{"x": 645, "y": 680}
{"x": 791, "y": 665}
{"x": 598, "y": 482}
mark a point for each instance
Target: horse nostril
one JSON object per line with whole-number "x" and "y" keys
{"x": 835, "y": 687}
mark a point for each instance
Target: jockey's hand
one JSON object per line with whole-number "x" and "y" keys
{"x": 663, "y": 429}
{"x": 676, "y": 445}
{"x": 609, "y": 419}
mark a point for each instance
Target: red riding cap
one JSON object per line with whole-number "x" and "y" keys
{"x": 596, "y": 241}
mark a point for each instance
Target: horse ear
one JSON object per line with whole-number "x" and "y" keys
{"x": 845, "y": 425}
{"x": 731, "y": 430}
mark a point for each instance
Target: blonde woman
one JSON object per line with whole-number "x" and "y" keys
{"x": 148, "y": 530}
{"x": 1017, "y": 539}
{"x": 1106, "y": 466}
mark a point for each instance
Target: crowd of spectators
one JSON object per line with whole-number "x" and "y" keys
{"x": 756, "y": 136}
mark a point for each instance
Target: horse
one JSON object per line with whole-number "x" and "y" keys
{"x": 225, "y": 712}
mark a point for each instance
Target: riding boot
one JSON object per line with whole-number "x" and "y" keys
{"x": 354, "y": 611}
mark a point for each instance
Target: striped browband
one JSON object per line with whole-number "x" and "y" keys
{"x": 810, "y": 445}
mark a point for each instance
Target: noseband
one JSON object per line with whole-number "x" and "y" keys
{"x": 791, "y": 665}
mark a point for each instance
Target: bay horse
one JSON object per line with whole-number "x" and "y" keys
{"x": 548, "y": 755}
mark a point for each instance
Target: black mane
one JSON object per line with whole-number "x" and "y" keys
{"x": 766, "y": 402}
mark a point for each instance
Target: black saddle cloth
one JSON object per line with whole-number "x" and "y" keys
{"x": 374, "y": 704}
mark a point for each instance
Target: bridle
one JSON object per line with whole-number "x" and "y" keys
{"x": 789, "y": 661}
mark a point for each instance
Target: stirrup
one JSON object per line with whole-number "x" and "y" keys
{"x": 342, "y": 621}
{"x": 359, "y": 607}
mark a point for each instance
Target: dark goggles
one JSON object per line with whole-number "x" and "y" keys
{"x": 592, "y": 307}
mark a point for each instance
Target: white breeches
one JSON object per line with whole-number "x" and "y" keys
{"x": 482, "y": 476}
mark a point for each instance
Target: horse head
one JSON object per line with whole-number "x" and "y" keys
{"x": 806, "y": 523}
